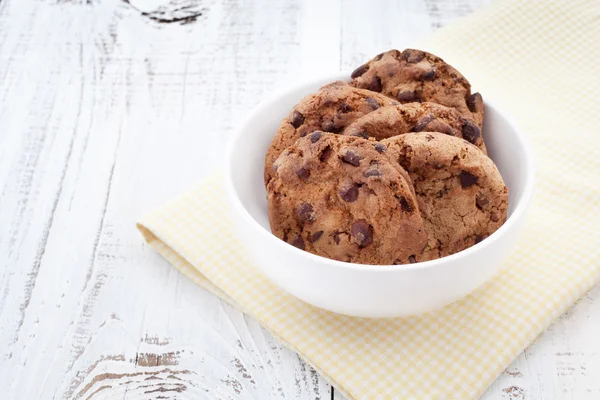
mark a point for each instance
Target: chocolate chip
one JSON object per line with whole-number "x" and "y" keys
{"x": 378, "y": 57}
{"x": 423, "y": 122}
{"x": 285, "y": 235}
{"x": 467, "y": 179}
{"x": 336, "y": 237}
{"x": 372, "y": 171}
{"x": 349, "y": 193}
{"x": 406, "y": 97}
{"x": 362, "y": 233}
{"x": 375, "y": 84}
{"x": 325, "y": 154}
{"x": 306, "y": 213}
{"x": 328, "y": 126}
{"x": 359, "y": 71}
{"x": 478, "y": 239}
{"x": 412, "y": 56}
{"x": 429, "y": 75}
{"x": 470, "y": 132}
{"x": 404, "y": 204}
{"x": 315, "y": 236}
{"x": 315, "y": 136}
{"x": 345, "y": 108}
{"x": 373, "y": 103}
{"x": 298, "y": 242}
{"x": 297, "y": 119}
{"x": 380, "y": 148}
{"x": 481, "y": 201}
{"x": 397, "y": 262}
{"x": 412, "y": 259}
{"x": 362, "y": 134}
{"x": 473, "y": 101}
{"x": 303, "y": 173}
{"x": 351, "y": 158}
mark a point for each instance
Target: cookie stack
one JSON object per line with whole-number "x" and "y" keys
{"x": 390, "y": 168}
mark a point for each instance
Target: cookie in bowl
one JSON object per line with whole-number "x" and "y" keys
{"x": 417, "y": 76}
{"x": 342, "y": 198}
{"x": 331, "y": 109}
{"x": 461, "y": 194}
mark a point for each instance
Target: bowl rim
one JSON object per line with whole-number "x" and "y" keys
{"x": 234, "y": 198}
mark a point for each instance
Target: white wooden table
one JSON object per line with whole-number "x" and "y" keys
{"x": 110, "y": 107}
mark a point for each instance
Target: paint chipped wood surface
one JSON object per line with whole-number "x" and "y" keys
{"x": 108, "y": 108}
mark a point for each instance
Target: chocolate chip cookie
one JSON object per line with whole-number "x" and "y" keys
{"x": 331, "y": 109}
{"x": 415, "y": 117}
{"x": 416, "y": 76}
{"x": 462, "y": 197}
{"x": 341, "y": 197}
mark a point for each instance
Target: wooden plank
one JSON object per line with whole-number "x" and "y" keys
{"x": 118, "y": 111}
{"x": 320, "y": 37}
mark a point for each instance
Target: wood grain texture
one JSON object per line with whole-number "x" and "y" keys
{"x": 102, "y": 103}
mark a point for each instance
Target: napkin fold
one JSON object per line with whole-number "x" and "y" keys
{"x": 539, "y": 61}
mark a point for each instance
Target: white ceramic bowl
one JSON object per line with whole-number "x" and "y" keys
{"x": 368, "y": 290}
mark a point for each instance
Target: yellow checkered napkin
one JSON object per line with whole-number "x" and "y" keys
{"x": 540, "y": 61}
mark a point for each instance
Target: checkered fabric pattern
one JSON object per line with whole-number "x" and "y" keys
{"x": 539, "y": 61}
